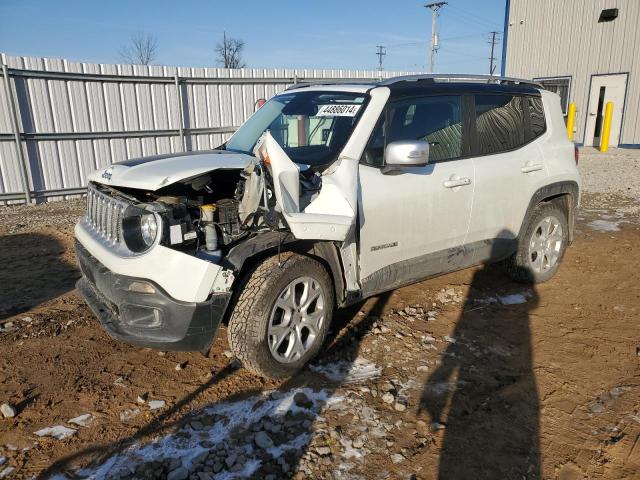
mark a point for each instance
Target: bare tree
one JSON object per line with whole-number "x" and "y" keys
{"x": 229, "y": 52}
{"x": 142, "y": 51}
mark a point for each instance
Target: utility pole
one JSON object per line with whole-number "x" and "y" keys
{"x": 382, "y": 51}
{"x": 434, "y": 36}
{"x": 492, "y": 59}
{"x": 224, "y": 47}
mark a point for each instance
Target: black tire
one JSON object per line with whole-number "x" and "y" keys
{"x": 251, "y": 314}
{"x": 519, "y": 265}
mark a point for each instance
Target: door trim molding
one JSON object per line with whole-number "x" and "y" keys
{"x": 430, "y": 265}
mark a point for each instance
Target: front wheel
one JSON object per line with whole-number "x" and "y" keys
{"x": 282, "y": 315}
{"x": 542, "y": 245}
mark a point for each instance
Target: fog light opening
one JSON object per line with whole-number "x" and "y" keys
{"x": 141, "y": 316}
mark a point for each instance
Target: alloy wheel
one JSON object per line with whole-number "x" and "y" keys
{"x": 296, "y": 319}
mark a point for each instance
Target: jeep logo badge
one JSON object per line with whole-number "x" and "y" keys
{"x": 107, "y": 173}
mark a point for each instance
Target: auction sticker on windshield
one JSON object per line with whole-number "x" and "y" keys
{"x": 336, "y": 110}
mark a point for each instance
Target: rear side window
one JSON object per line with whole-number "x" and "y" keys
{"x": 500, "y": 123}
{"x": 436, "y": 119}
{"x": 536, "y": 115}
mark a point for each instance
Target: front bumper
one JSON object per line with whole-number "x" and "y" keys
{"x": 154, "y": 319}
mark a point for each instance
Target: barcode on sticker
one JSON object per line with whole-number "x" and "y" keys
{"x": 338, "y": 110}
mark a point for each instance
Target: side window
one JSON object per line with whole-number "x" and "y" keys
{"x": 536, "y": 115}
{"x": 500, "y": 123}
{"x": 437, "y": 120}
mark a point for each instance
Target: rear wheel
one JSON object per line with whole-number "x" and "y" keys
{"x": 541, "y": 246}
{"x": 282, "y": 314}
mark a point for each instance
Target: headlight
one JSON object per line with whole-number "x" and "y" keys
{"x": 148, "y": 228}
{"x": 140, "y": 228}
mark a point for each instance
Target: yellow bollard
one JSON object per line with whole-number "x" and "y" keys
{"x": 571, "y": 119}
{"x": 606, "y": 127}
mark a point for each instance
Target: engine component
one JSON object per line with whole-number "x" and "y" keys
{"x": 228, "y": 218}
{"x": 210, "y": 234}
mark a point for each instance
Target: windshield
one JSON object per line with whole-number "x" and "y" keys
{"x": 311, "y": 127}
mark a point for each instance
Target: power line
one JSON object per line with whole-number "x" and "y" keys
{"x": 493, "y": 41}
{"x": 434, "y": 35}
{"x": 468, "y": 35}
{"x": 475, "y": 18}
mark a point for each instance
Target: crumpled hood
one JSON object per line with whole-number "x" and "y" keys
{"x": 153, "y": 173}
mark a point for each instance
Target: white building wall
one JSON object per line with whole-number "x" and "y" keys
{"x": 549, "y": 38}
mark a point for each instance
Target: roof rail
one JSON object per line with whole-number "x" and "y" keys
{"x": 332, "y": 81}
{"x": 432, "y": 77}
{"x": 460, "y": 77}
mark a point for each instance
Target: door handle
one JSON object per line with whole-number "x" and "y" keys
{"x": 531, "y": 168}
{"x": 458, "y": 182}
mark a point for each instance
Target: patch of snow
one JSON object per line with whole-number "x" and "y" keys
{"x": 128, "y": 414}
{"x": 82, "y": 420}
{"x": 345, "y": 372}
{"x": 59, "y": 432}
{"x": 239, "y": 414}
{"x": 486, "y": 300}
{"x": 349, "y": 450}
{"x": 513, "y": 299}
{"x": 156, "y": 404}
{"x": 604, "y": 226}
{"x": 441, "y": 388}
{"x": 6, "y": 472}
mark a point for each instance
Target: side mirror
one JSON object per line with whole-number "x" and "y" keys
{"x": 406, "y": 153}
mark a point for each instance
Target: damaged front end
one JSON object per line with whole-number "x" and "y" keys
{"x": 164, "y": 238}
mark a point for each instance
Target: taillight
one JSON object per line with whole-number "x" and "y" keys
{"x": 576, "y": 153}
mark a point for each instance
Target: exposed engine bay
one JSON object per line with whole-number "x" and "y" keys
{"x": 210, "y": 213}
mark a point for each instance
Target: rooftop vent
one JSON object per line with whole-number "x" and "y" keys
{"x": 608, "y": 15}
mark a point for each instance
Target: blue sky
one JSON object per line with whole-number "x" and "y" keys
{"x": 278, "y": 33}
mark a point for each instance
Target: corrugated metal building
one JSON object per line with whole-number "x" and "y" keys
{"x": 588, "y": 51}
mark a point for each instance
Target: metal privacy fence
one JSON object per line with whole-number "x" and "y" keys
{"x": 59, "y": 120}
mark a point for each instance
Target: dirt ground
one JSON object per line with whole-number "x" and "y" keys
{"x": 465, "y": 376}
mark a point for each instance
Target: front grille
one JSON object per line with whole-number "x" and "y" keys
{"x": 104, "y": 214}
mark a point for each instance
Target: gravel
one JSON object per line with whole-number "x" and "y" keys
{"x": 617, "y": 171}
{"x": 61, "y": 215}
{"x": 8, "y": 411}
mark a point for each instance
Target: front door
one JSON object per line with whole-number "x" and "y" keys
{"x": 410, "y": 219}
{"x": 605, "y": 88}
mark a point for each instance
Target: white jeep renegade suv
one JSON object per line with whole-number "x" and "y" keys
{"x": 327, "y": 195}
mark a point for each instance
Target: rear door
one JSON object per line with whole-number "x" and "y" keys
{"x": 410, "y": 218}
{"x": 509, "y": 168}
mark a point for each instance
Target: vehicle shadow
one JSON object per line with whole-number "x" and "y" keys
{"x": 33, "y": 271}
{"x": 483, "y": 398}
{"x": 343, "y": 344}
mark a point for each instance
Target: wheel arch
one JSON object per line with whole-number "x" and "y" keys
{"x": 565, "y": 194}
{"x": 243, "y": 257}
